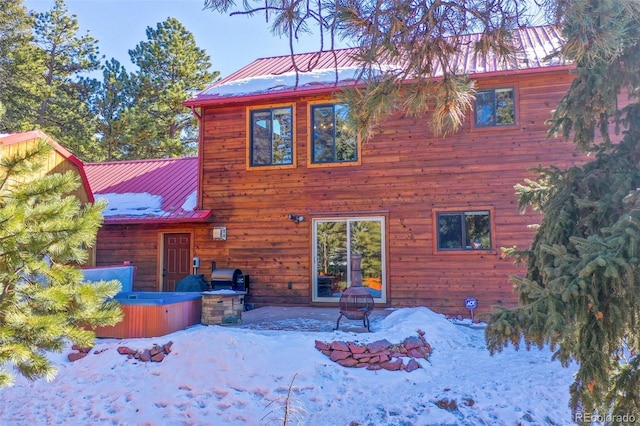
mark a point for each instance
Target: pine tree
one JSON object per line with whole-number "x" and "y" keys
{"x": 581, "y": 291}
{"x": 63, "y": 98}
{"x": 15, "y": 45}
{"x": 114, "y": 98}
{"x": 171, "y": 68}
{"x": 48, "y": 87}
{"x": 44, "y": 235}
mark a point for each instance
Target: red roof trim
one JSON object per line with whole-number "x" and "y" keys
{"x": 200, "y": 216}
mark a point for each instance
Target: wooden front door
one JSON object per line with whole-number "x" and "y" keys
{"x": 176, "y": 261}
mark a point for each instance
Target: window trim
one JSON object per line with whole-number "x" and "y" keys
{"x": 516, "y": 110}
{"x": 249, "y": 135}
{"x": 383, "y": 219}
{"x": 464, "y": 252}
{"x": 310, "y": 163}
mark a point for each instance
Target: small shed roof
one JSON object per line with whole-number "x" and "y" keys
{"x": 328, "y": 70}
{"x": 148, "y": 191}
{"x": 17, "y": 138}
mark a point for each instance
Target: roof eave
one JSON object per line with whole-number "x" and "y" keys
{"x": 204, "y": 101}
{"x": 205, "y": 216}
{"x": 200, "y": 102}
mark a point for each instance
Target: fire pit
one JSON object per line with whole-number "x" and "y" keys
{"x": 356, "y": 303}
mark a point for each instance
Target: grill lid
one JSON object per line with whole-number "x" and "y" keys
{"x": 229, "y": 275}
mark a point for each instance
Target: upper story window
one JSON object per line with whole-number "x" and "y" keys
{"x": 495, "y": 107}
{"x": 464, "y": 230}
{"x": 271, "y": 136}
{"x": 332, "y": 140}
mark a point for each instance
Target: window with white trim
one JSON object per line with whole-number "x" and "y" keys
{"x": 335, "y": 240}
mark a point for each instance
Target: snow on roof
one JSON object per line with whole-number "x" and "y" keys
{"x": 160, "y": 190}
{"x": 286, "y": 81}
{"x": 326, "y": 70}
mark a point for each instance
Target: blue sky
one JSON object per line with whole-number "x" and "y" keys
{"x": 231, "y": 42}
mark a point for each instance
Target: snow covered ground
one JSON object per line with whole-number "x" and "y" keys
{"x": 241, "y": 376}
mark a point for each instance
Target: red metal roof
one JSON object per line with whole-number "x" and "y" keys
{"x": 15, "y": 138}
{"x": 148, "y": 191}
{"x": 266, "y": 77}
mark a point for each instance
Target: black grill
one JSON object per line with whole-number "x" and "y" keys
{"x": 229, "y": 279}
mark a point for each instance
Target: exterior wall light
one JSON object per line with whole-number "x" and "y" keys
{"x": 296, "y": 218}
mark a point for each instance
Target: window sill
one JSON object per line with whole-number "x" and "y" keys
{"x": 465, "y": 252}
{"x": 276, "y": 167}
{"x": 331, "y": 165}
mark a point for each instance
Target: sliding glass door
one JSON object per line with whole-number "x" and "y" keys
{"x": 334, "y": 241}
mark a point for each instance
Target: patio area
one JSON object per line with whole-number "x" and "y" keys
{"x": 305, "y": 318}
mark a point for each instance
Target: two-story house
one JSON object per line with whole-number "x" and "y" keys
{"x": 295, "y": 194}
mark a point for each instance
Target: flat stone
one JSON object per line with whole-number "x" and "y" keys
{"x": 74, "y": 356}
{"x": 415, "y": 353}
{"x": 157, "y": 357}
{"x": 412, "y": 365}
{"x": 362, "y": 356}
{"x": 374, "y": 367}
{"x": 322, "y": 346}
{"x": 347, "y": 362}
{"x": 339, "y": 346}
{"x": 337, "y": 355}
{"x": 393, "y": 365}
{"x": 123, "y": 350}
{"x": 356, "y": 349}
{"x": 144, "y": 356}
{"x": 412, "y": 343}
{"x": 378, "y": 346}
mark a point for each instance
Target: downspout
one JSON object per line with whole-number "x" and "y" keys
{"x": 198, "y": 115}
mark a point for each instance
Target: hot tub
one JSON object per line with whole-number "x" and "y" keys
{"x": 155, "y": 298}
{"x": 153, "y": 314}
{"x": 146, "y": 313}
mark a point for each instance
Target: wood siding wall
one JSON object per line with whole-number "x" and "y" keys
{"x": 141, "y": 245}
{"x": 405, "y": 174}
